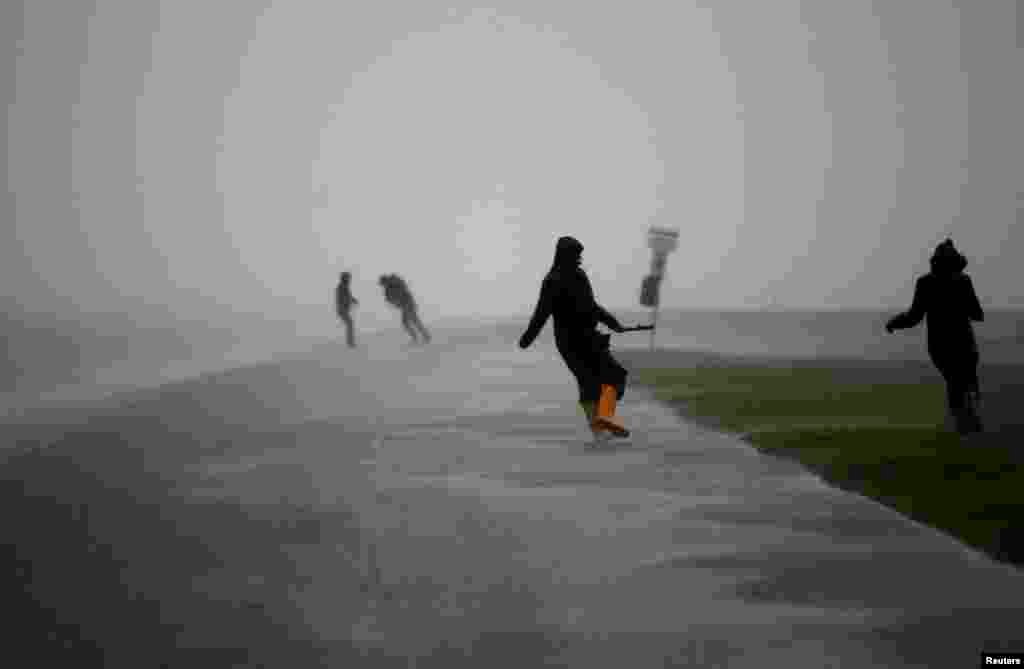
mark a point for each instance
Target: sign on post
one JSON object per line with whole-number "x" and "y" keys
{"x": 662, "y": 241}
{"x": 649, "y": 291}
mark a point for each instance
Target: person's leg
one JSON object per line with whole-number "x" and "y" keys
{"x": 958, "y": 401}
{"x": 350, "y": 336}
{"x": 614, "y": 374}
{"x": 956, "y": 394}
{"x": 945, "y": 369}
{"x": 589, "y": 410}
{"x": 972, "y": 393}
{"x": 971, "y": 371}
{"x": 407, "y": 324}
{"x": 419, "y": 326}
{"x": 606, "y": 418}
{"x": 613, "y": 385}
{"x": 586, "y": 383}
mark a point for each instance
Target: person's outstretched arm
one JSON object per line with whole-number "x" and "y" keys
{"x": 585, "y": 298}
{"x": 974, "y": 310}
{"x": 915, "y": 314}
{"x": 604, "y": 316}
{"x": 540, "y": 314}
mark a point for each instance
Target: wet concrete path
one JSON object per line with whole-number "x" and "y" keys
{"x": 443, "y": 507}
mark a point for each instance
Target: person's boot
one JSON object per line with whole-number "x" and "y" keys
{"x": 605, "y": 418}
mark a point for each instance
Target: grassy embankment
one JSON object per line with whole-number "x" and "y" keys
{"x": 878, "y": 434}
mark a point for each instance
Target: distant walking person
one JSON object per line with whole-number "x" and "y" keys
{"x": 344, "y": 302}
{"x": 946, "y": 297}
{"x": 397, "y": 293}
{"x": 566, "y": 294}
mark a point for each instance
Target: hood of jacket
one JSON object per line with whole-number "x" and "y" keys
{"x": 568, "y": 252}
{"x": 947, "y": 260}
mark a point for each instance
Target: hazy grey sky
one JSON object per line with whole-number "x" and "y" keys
{"x": 204, "y": 157}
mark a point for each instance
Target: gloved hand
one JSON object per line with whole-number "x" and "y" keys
{"x": 889, "y": 327}
{"x": 524, "y": 342}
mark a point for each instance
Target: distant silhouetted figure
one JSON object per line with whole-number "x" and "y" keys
{"x": 344, "y": 302}
{"x": 397, "y": 293}
{"x": 946, "y": 297}
{"x": 566, "y": 294}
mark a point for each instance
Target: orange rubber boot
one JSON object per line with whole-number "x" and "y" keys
{"x": 605, "y": 419}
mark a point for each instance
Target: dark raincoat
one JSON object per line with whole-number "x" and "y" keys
{"x": 946, "y": 300}
{"x": 397, "y": 292}
{"x": 567, "y": 296}
{"x": 343, "y": 299}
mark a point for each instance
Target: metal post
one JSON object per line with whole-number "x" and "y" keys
{"x": 662, "y": 241}
{"x": 654, "y": 322}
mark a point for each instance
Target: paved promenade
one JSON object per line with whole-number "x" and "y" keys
{"x": 441, "y": 507}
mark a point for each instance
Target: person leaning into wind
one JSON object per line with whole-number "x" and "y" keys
{"x": 397, "y": 294}
{"x": 946, "y": 300}
{"x": 566, "y": 294}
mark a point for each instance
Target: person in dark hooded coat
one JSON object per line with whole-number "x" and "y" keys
{"x": 567, "y": 296}
{"x": 343, "y": 302}
{"x": 397, "y": 293}
{"x": 945, "y": 297}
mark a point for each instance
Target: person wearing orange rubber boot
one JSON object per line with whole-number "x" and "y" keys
{"x": 567, "y": 296}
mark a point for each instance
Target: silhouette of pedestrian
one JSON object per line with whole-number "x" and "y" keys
{"x": 344, "y": 302}
{"x": 946, "y": 298}
{"x": 566, "y": 294}
{"x": 397, "y": 293}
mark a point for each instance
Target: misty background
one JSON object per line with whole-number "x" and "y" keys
{"x": 191, "y": 176}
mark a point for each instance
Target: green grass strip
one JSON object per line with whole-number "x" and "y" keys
{"x": 887, "y": 442}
